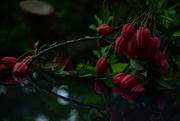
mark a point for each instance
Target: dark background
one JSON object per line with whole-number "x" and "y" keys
{"x": 18, "y": 103}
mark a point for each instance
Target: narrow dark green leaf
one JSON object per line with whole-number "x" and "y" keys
{"x": 164, "y": 84}
{"x": 136, "y": 65}
{"x": 98, "y": 19}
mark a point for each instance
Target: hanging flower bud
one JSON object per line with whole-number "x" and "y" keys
{"x": 138, "y": 88}
{"x": 100, "y": 86}
{"x": 164, "y": 68}
{"x": 20, "y": 68}
{"x": 104, "y": 29}
{"x": 120, "y": 44}
{"x": 26, "y": 59}
{"x": 129, "y": 81}
{"x": 153, "y": 46}
{"x": 9, "y": 62}
{"x": 142, "y": 36}
{"x": 117, "y": 79}
{"x": 132, "y": 47}
{"x": 142, "y": 54}
{"x": 101, "y": 66}
{"x": 158, "y": 56}
{"x": 127, "y": 31}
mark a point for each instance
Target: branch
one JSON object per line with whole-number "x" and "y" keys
{"x": 66, "y": 43}
{"x": 33, "y": 81}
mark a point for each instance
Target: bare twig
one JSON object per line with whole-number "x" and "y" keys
{"x": 67, "y": 43}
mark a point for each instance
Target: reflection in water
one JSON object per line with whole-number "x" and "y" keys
{"x": 73, "y": 115}
{"x": 41, "y": 117}
{"x": 3, "y": 89}
{"x": 63, "y": 92}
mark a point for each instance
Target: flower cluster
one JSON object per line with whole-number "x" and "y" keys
{"x": 127, "y": 85}
{"x": 16, "y": 70}
{"x": 140, "y": 44}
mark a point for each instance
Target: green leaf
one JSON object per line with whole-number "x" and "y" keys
{"x": 50, "y": 65}
{"x": 177, "y": 33}
{"x": 104, "y": 50}
{"x": 99, "y": 21}
{"x": 97, "y": 53}
{"x": 112, "y": 59}
{"x": 86, "y": 75}
{"x": 136, "y": 65}
{"x": 118, "y": 67}
{"x": 93, "y": 27}
{"x": 63, "y": 73}
{"x": 164, "y": 84}
{"x": 92, "y": 99}
{"x": 111, "y": 18}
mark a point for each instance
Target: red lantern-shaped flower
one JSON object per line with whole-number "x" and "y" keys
{"x": 120, "y": 44}
{"x": 142, "y": 36}
{"x": 153, "y": 46}
{"x": 9, "y": 62}
{"x": 20, "y": 68}
{"x": 117, "y": 79}
{"x": 127, "y": 31}
{"x": 132, "y": 47}
{"x": 101, "y": 66}
{"x": 26, "y": 59}
{"x": 129, "y": 81}
{"x": 3, "y": 66}
{"x": 164, "y": 68}
{"x": 100, "y": 86}
{"x": 158, "y": 56}
{"x": 143, "y": 54}
{"x": 138, "y": 88}
{"x": 104, "y": 29}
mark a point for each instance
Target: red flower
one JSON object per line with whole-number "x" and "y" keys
{"x": 153, "y": 46}
{"x": 20, "y": 68}
{"x": 9, "y": 62}
{"x": 101, "y": 66}
{"x": 104, "y": 29}
{"x": 142, "y": 54}
{"x": 163, "y": 62}
{"x": 3, "y": 66}
{"x": 138, "y": 88}
{"x": 120, "y": 44}
{"x": 159, "y": 55}
{"x": 129, "y": 81}
{"x": 127, "y": 31}
{"x": 142, "y": 36}
{"x": 100, "y": 86}
{"x": 132, "y": 47}
{"x": 117, "y": 79}
{"x": 26, "y": 59}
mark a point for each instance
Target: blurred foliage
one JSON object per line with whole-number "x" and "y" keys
{"x": 20, "y": 103}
